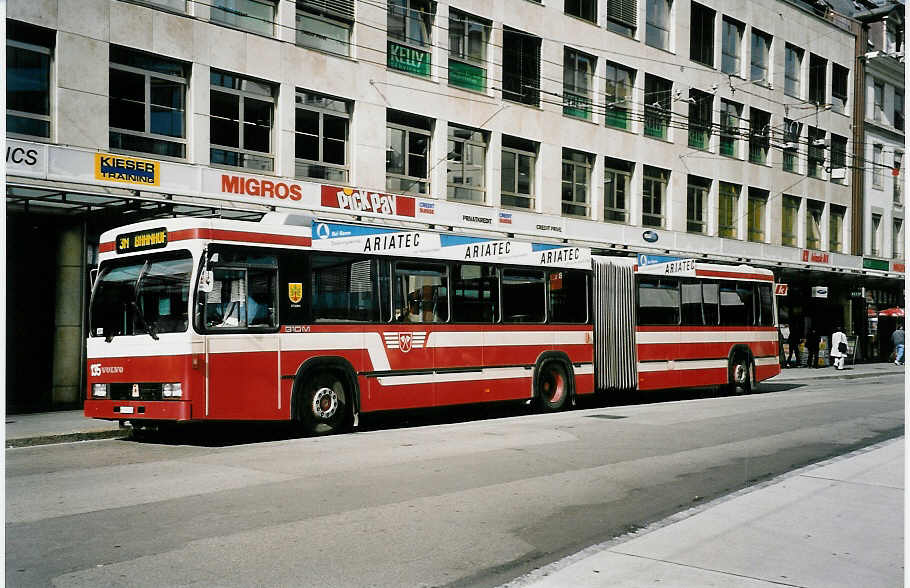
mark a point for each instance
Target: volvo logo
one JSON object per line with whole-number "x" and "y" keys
{"x": 650, "y": 236}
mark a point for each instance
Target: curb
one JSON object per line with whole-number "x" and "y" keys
{"x": 67, "y": 438}
{"x": 834, "y": 376}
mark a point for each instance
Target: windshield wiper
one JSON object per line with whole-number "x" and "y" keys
{"x": 149, "y": 328}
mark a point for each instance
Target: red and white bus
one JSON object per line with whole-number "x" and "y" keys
{"x": 317, "y": 322}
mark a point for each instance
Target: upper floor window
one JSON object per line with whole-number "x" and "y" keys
{"x": 520, "y": 67}
{"x": 28, "y": 80}
{"x": 816, "y": 158}
{"x": 585, "y": 9}
{"x": 792, "y": 132}
{"x": 897, "y": 173}
{"x": 175, "y": 5}
{"x": 618, "y": 95}
{"x": 467, "y": 155}
{"x": 617, "y": 186}
{"x": 410, "y": 29}
{"x": 407, "y": 152}
{"x": 701, "y": 35}
{"x": 898, "y": 109}
{"x": 876, "y": 245}
{"x": 321, "y": 137}
{"x": 814, "y": 211}
{"x": 838, "y": 158}
{"x": 731, "y": 47}
{"x": 325, "y": 25}
{"x": 256, "y": 16}
{"x": 839, "y": 76}
{"x": 654, "y": 196}
{"x": 759, "y": 135}
{"x": 730, "y": 113}
{"x": 817, "y": 72}
{"x": 894, "y": 37}
{"x": 578, "y": 73}
{"x": 793, "y": 65}
{"x": 519, "y": 158}
{"x": 836, "y": 228}
{"x": 790, "y": 221}
{"x": 657, "y": 24}
{"x": 758, "y": 202}
{"x": 728, "y": 210}
{"x": 700, "y": 113}
{"x": 878, "y": 100}
{"x": 696, "y": 204}
{"x": 622, "y": 16}
{"x": 576, "y": 182}
{"x": 468, "y": 37}
{"x": 147, "y": 107}
{"x": 658, "y": 101}
{"x": 760, "y": 57}
{"x": 241, "y": 119}
{"x": 897, "y": 238}
{"x": 877, "y": 166}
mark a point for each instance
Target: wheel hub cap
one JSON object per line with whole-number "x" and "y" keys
{"x": 325, "y": 403}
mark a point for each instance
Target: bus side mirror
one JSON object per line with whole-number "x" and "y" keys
{"x": 206, "y": 281}
{"x": 93, "y": 277}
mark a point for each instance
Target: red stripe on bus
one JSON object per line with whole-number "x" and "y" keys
{"x": 681, "y": 351}
{"x": 684, "y": 329}
{"x": 704, "y": 273}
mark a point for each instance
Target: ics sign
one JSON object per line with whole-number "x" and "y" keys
{"x": 780, "y": 289}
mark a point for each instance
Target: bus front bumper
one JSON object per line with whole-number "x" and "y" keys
{"x": 170, "y": 410}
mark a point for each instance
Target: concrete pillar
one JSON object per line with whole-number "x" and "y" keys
{"x": 68, "y": 331}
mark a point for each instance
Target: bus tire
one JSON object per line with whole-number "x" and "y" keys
{"x": 552, "y": 385}
{"x": 324, "y": 407}
{"x": 741, "y": 371}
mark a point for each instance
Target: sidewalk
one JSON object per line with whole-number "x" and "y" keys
{"x": 71, "y": 425}
{"x": 838, "y": 523}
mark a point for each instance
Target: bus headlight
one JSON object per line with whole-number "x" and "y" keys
{"x": 99, "y": 390}
{"x": 171, "y": 390}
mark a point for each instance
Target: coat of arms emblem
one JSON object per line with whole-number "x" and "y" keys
{"x": 295, "y": 291}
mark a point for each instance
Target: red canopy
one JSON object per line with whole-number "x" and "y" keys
{"x": 896, "y": 311}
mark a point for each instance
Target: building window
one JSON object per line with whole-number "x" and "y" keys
{"x": 657, "y": 24}
{"x": 759, "y": 135}
{"x": 793, "y": 66}
{"x": 701, "y": 35}
{"x": 520, "y": 67}
{"x": 468, "y": 37}
{"x": 817, "y": 70}
{"x": 519, "y": 158}
{"x": 467, "y": 156}
{"x": 617, "y": 188}
{"x": 28, "y": 80}
{"x": 622, "y": 16}
{"x": 700, "y": 113}
{"x": 897, "y": 173}
{"x": 321, "y": 137}
{"x": 894, "y": 38}
{"x": 241, "y": 117}
{"x": 653, "y": 196}
{"x": 657, "y": 106}
{"x": 325, "y": 25}
{"x": 814, "y": 212}
{"x": 876, "y": 244}
{"x": 731, "y": 47}
{"x": 578, "y": 72}
{"x": 758, "y": 203}
{"x": 147, "y": 107}
{"x": 697, "y": 203}
{"x": 897, "y": 239}
{"x": 255, "y": 16}
{"x": 619, "y": 95}
{"x": 839, "y": 76}
{"x": 878, "y": 101}
{"x": 838, "y": 158}
{"x": 410, "y": 29}
{"x": 760, "y": 60}
{"x": 584, "y": 9}
{"x": 792, "y": 132}
{"x": 877, "y": 166}
{"x": 727, "y": 210}
{"x": 175, "y": 5}
{"x": 836, "y": 229}
{"x": 407, "y": 153}
{"x": 730, "y": 113}
{"x": 576, "y": 180}
{"x": 816, "y": 159}
{"x": 790, "y": 221}
{"x": 898, "y": 109}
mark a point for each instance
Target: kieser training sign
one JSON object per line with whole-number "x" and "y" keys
{"x": 127, "y": 170}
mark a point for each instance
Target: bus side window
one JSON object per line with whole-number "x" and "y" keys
{"x": 421, "y": 293}
{"x": 692, "y": 307}
{"x": 746, "y": 293}
{"x": 343, "y": 289}
{"x": 658, "y": 301}
{"x": 475, "y": 293}
{"x": 711, "y": 296}
{"x": 524, "y": 296}
{"x": 732, "y": 308}
{"x": 766, "y": 305}
{"x": 225, "y": 305}
{"x": 568, "y": 296}
{"x": 260, "y": 300}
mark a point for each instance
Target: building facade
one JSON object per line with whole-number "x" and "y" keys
{"x": 711, "y": 129}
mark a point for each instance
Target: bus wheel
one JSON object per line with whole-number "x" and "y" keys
{"x": 552, "y": 386}
{"x": 741, "y": 375}
{"x": 324, "y": 405}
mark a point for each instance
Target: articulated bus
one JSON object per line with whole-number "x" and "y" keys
{"x": 319, "y": 321}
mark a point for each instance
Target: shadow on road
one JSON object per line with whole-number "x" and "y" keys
{"x": 239, "y": 433}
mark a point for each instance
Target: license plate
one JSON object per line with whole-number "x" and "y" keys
{"x": 126, "y": 410}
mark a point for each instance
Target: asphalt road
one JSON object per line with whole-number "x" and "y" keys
{"x": 411, "y": 500}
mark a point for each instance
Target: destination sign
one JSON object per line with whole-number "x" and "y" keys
{"x": 141, "y": 240}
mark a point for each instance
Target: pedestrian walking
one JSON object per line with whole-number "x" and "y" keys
{"x": 897, "y": 337}
{"x": 839, "y": 347}
{"x": 793, "y": 340}
{"x": 812, "y": 339}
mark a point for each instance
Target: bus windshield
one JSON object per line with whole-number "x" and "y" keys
{"x": 142, "y": 295}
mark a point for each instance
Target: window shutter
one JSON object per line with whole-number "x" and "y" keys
{"x": 340, "y": 8}
{"x": 624, "y": 11}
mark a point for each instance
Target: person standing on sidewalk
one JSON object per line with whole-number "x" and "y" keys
{"x": 793, "y": 341}
{"x": 812, "y": 340}
{"x": 839, "y": 347}
{"x": 897, "y": 337}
